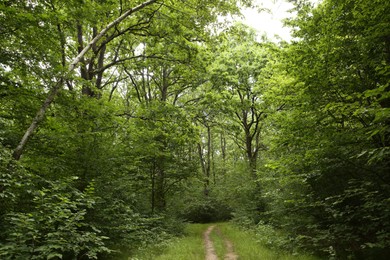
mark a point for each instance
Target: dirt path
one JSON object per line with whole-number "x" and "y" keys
{"x": 209, "y": 246}
{"x": 230, "y": 255}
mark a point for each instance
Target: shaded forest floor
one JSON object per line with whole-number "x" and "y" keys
{"x": 213, "y": 242}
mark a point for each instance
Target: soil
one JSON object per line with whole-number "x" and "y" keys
{"x": 209, "y": 246}
{"x": 230, "y": 255}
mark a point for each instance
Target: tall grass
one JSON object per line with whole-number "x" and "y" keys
{"x": 248, "y": 248}
{"x": 188, "y": 247}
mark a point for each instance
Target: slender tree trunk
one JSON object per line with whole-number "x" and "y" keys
{"x": 210, "y": 154}
{"x": 223, "y": 147}
{"x": 158, "y": 186}
{"x": 206, "y": 182}
{"x": 34, "y": 124}
{"x": 205, "y": 160}
{"x": 253, "y": 165}
{"x": 54, "y": 91}
{"x": 153, "y": 195}
{"x": 159, "y": 189}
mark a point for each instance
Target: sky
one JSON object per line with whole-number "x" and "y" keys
{"x": 269, "y": 22}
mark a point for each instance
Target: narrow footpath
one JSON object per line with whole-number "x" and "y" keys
{"x": 209, "y": 246}
{"x": 218, "y": 241}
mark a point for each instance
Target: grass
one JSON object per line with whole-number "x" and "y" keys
{"x": 191, "y": 246}
{"x": 218, "y": 242}
{"x": 246, "y": 246}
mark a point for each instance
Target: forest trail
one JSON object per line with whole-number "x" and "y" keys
{"x": 230, "y": 255}
{"x": 209, "y": 246}
{"x": 216, "y": 241}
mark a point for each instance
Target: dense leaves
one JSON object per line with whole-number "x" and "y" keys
{"x": 98, "y": 175}
{"x": 169, "y": 117}
{"x": 330, "y": 156}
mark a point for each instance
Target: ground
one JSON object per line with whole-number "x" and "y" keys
{"x": 223, "y": 241}
{"x": 209, "y": 246}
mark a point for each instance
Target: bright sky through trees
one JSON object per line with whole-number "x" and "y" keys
{"x": 270, "y": 21}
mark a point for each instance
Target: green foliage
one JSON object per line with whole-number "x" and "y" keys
{"x": 116, "y": 154}
{"x": 120, "y": 216}
{"x": 270, "y": 237}
{"x": 81, "y": 136}
{"x": 325, "y": 176}
{"x": 16, "y": 185}
{"x": 255, "y": 245}
{"x": 54, "y": 225}
{"x": 186, "y": 247}
{"x": 133, "y": 149}
{"x": 206, "y": 210}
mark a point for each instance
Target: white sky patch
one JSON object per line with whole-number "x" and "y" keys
{"x": 271, "y": 22}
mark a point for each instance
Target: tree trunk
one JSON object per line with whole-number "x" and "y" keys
{"x": 253, "y": 165}
{"x": 206, "y": 182}
{"x": 206, "y": 162}
{"x": 159, "y": 192}
{"x": 153, "y": 195}
{"x": 158, "y": 188}
{"x": 37, "y": 119}
{"x": 223, "y": 147}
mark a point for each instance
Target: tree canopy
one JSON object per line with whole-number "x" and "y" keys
{"x": 122, "y": 120}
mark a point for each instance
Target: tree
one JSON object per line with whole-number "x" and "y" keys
{"x": 98, "y": 143}
{"x": 237, "y": 71}
{"x": 331, "y": 138}
{"x": 82, "y": 51}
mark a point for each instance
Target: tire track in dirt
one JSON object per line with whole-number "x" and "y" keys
{"x": 209, "y": 246}
{"x": 230, "y": 255}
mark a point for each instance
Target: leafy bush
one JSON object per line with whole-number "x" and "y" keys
{"x": 15, "y": 185}
{"x": 360, "y": 221}
{"x": 54, "y": 226}
{"x": 129, "y": 229}
{"x": 206, "y": 210}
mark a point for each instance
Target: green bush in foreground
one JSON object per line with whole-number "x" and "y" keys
{"x": 52, "y": 224}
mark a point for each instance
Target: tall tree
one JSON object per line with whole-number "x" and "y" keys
{"x": 237, "y": 72}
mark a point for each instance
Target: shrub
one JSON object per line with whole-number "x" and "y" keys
{"x": 54, "y": 225}
{"x": 206, "y": 210}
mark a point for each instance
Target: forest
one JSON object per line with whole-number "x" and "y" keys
{"x": 121, "y": 121}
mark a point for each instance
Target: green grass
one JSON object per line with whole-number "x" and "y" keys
{"x": 247, "y": 248}
{"x": 191, "y": 246}
{"x": 218, "y": 242}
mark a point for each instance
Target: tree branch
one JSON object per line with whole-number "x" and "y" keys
{"x": 54, "y": 91}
